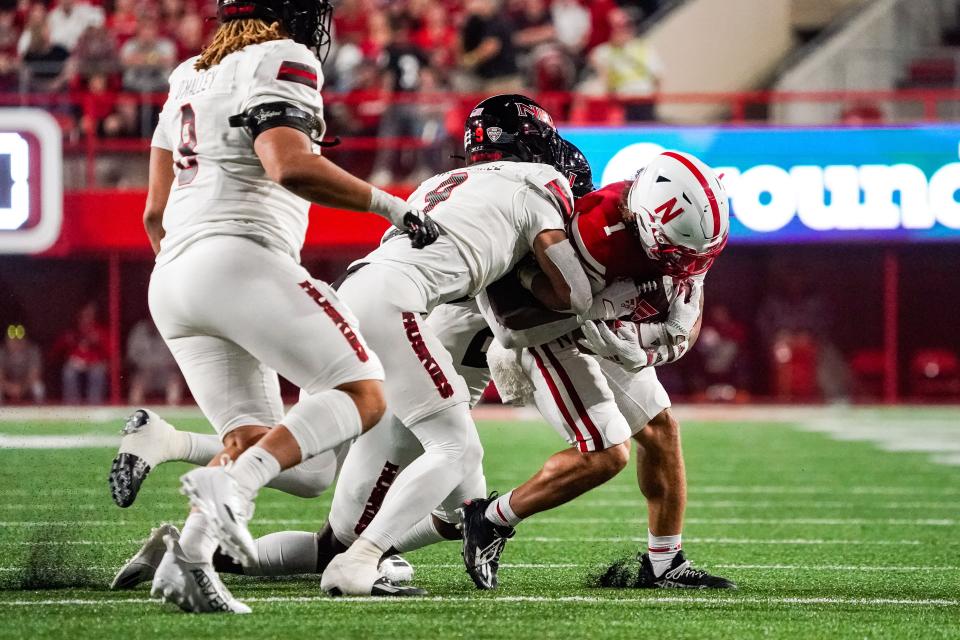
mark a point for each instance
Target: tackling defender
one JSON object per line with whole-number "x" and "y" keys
{"x": 595, "y": 403}
{"x": 232, "y": 171}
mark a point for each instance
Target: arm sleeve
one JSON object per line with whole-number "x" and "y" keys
{"x": 288, "y": 74}
{"x": 548, "y": 205}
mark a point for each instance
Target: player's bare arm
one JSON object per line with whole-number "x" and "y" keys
{"x": 288, "y": 158}
{"x": 160, "y": 182}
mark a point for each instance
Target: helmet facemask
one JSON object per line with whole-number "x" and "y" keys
{"x": 308, "y": 22}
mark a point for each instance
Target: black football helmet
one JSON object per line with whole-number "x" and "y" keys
{"x": 577, "y": 170}
{"x": 511, "y": 127}
{"x": 305, "y": 21}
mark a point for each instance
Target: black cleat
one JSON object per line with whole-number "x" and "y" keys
{"x": 386, "y": 587}
{"x": 128, "y": 470}
{"x": 638, "y": 574}
{"x": 483, "y": 542}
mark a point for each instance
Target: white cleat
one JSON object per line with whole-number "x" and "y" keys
{"x": 216, "y": 494}
{"x": 143, "y": 565}
{"x": 396, "y": 569}
{"x": 193, "y": 586}
{"x": 144, "y": 445}
{"x": 346, "y": 577}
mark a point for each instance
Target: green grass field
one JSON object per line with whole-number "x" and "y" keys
{"x": 835, "y": 524}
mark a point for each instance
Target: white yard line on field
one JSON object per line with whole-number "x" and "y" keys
{"x": 846, "y": 568}
{"x": 322, "y": 504}
{"x": 562, "y": 540}
{"x": 632, "y": 489}
{"x": 833, "y": 567}
{"x": 827, "y": 522}
{"x": 547, "y": 520}
{"x": 651, "y": 601}
{"x": 749, "y": 541}
{"x": 939, "y": 438}
{"x": 588, "y": 502}
{"x": 79, "y": 441}
{"x": 798, "y": 490}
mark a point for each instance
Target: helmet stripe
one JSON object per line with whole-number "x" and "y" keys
{"x": 702, "y": 179}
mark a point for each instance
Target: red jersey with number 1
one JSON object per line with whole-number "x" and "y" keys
{"x": 604, "y": 243}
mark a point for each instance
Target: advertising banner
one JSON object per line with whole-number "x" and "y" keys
{"x": 899, "y": 184}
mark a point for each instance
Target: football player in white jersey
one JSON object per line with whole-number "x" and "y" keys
{"x": 233, "y": 169}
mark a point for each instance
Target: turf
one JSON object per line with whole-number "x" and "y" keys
{"x": 826, "y": 538}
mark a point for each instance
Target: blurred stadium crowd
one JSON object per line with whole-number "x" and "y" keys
{"x": 398, "y": 79}
{"x": 98, "y": 52}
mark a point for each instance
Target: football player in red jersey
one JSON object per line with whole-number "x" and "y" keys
{"x": 647, "y": 244}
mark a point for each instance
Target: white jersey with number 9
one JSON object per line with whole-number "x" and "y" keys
{"x": 220, "y": 186}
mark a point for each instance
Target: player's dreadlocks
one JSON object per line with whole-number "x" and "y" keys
{"x": 235, "y": 35}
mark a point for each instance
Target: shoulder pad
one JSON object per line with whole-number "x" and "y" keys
{"x": 183, "y": 68}
{"x": 554, "y": 187}
{"x": 290, "y": 61}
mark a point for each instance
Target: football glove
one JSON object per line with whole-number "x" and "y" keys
{"x": 417, "y": 225}
{"x": 632, "y": 346}
{"x": 622, "y": 346}
{"x": 420, "y": 228}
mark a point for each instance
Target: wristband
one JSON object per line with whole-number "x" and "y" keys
{"x": 388, "y": 206}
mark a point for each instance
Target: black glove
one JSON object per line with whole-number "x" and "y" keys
{"x": 420, "y": 228}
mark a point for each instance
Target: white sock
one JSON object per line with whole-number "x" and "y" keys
{"x": 196, "y": 448}
{"x": 365, "y": 552}
{"x": 197, "y": 538}
{"x": 422, "y": 534}
{"x": 662, "y": 550}
{"x": 286, "y": 553}
{"x": 254, "y": 469}
{"x": 499, "y": 512}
